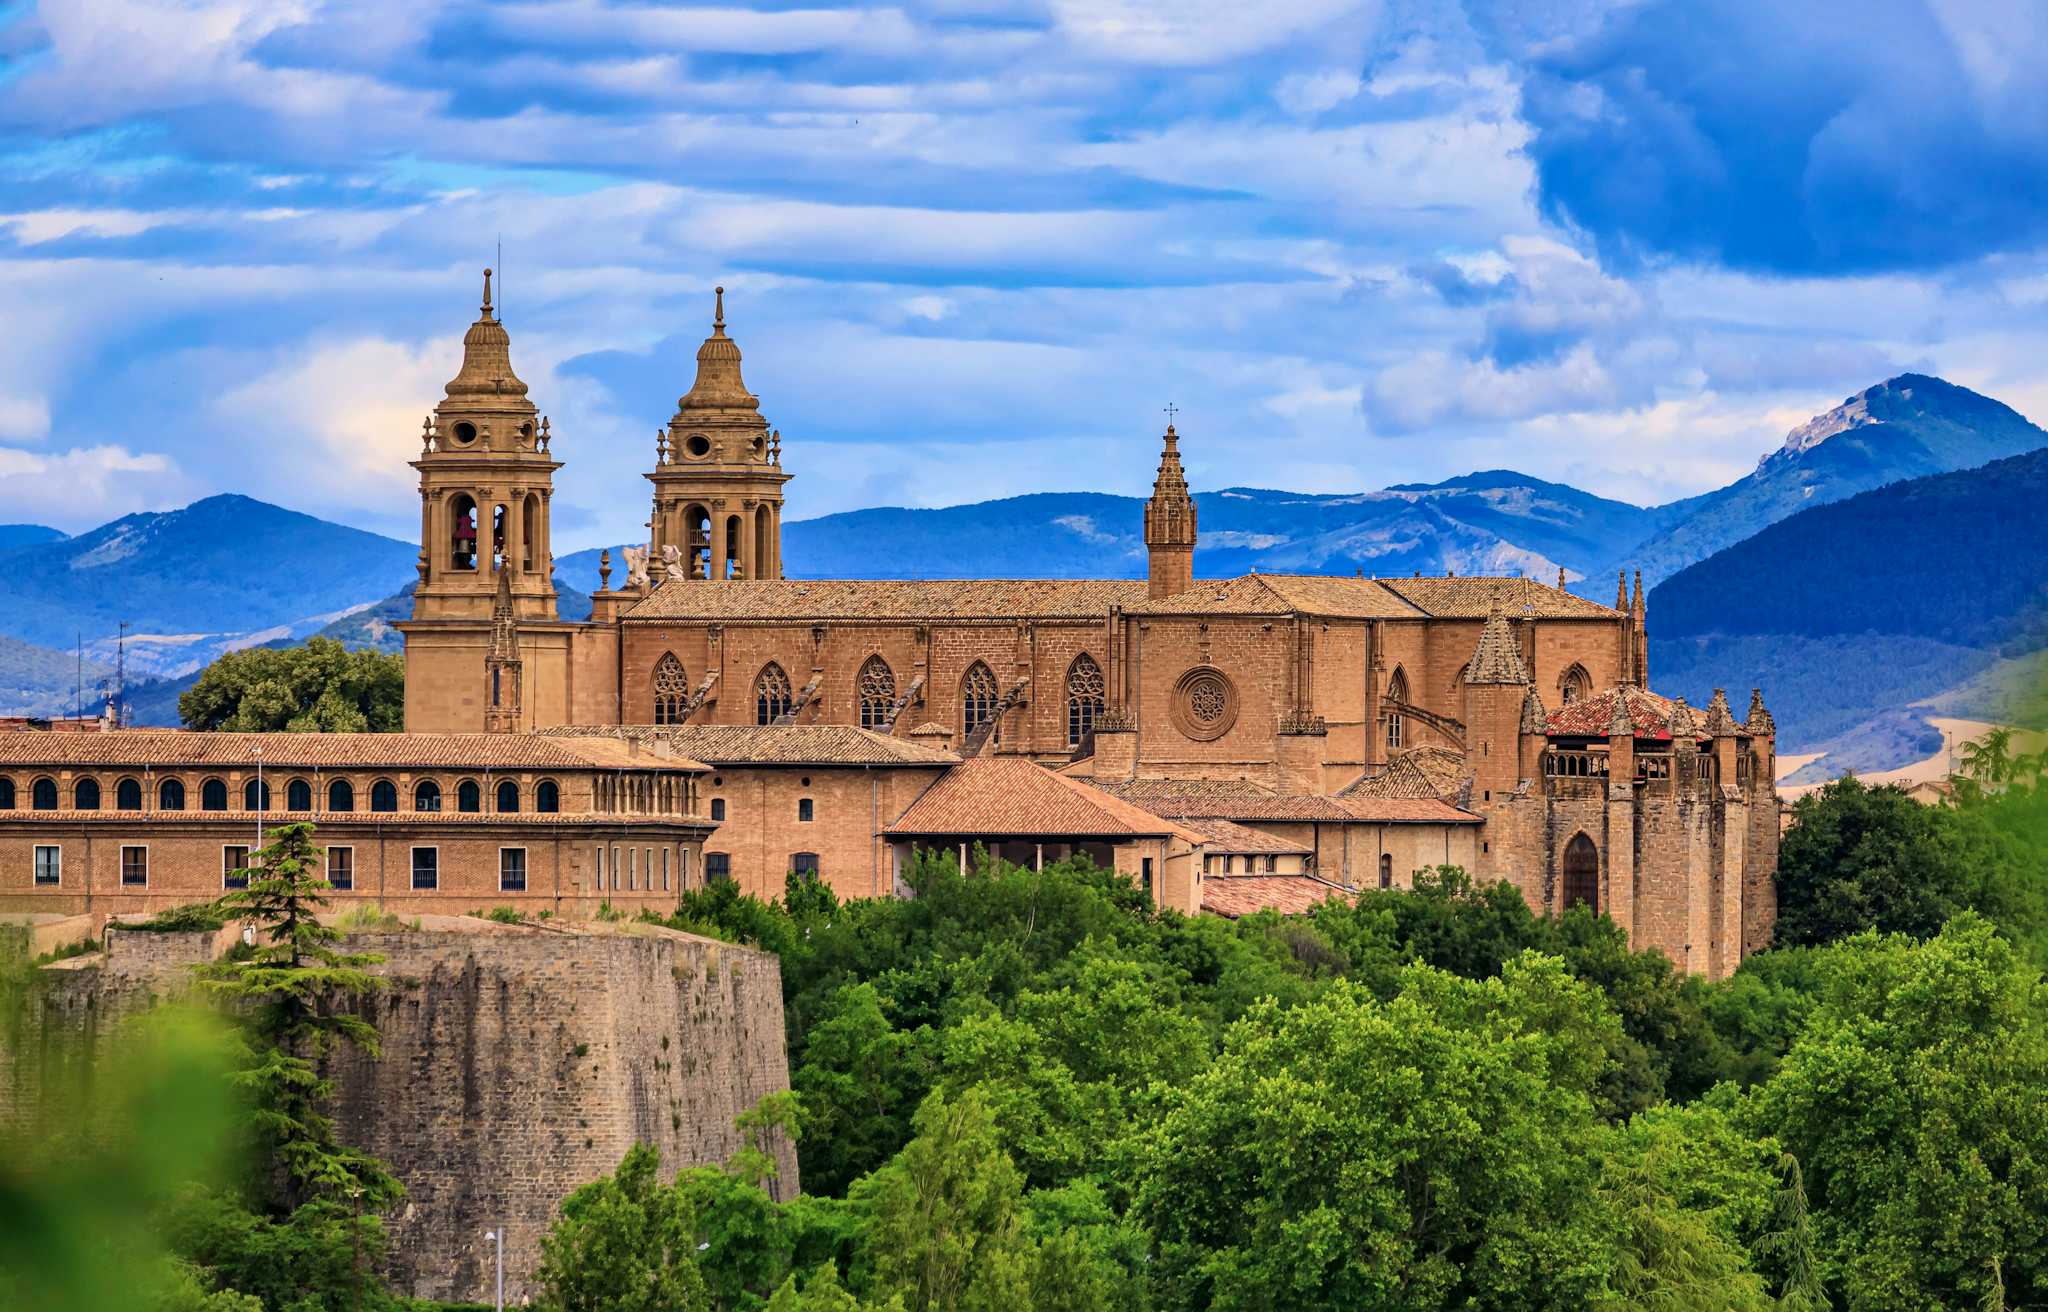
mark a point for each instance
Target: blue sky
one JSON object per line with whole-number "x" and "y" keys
{"x": 972, "y": 247}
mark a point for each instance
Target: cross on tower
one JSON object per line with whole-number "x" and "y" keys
{"x": 1171, "y": 411}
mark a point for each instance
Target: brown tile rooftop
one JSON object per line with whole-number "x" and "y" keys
{"x": 1420, "y": 773}
{"x": 1474, "y": 598}
{"x": 1223, "y": 799}
{"x": 1228, "y": 837}
{"x": 1290, "y": 895}
{"x": 769, "y": 744}
{"x": 854, "y": 599}
{"x": 170, "y": 748}
{"x": 1010, "y": 796}
{"x": 1284, "y": 594}
{"x": 1589, "y": 716}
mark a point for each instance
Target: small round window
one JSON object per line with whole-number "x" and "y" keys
{"x": 697, "y": 445}
{"x": 465, "y": 432}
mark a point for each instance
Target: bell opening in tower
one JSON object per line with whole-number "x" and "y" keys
{"x": 462, "y": 538}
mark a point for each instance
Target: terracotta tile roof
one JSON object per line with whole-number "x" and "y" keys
{"x": 1589, "y": 717}
{"x": 1227, "y": 836}
{"x": 855, "y": 599}
{"x": 769, "y": 744}
{"x": 1283, "y": 594}
{"x": 1474, "y": 598}
{"x": 1420, "y": 773}
{"x": 1408, "y": 811}
{"x": 284, "y": 751}
{"x": 1008, "y": 795}
{"x": 1223, "y": 799}
{"x": 1290, "y": 895}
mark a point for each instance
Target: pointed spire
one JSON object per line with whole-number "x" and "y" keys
{"x": 504, "y": 627}
{"x": 1621, "y": 590}
{"x": 1637, "y": 606}
{"x": 1170, "y": 514}
{"x": 718, "y": 385}
{"x": 487, "y": 361}
{"x": 1498, "y": 657}
{"x": 718, "y": 312}
{"x": 1684, "y": 726}
{"x": 1535, "y": 721}
{"x": 1720, "y": 719}
{"x": 1560, "y": 578}
{"x": 1621, "y": 723}
{"x": 1760, "y": 724}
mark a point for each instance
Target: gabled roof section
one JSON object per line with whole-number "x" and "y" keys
{"x": 798, "y": 600}
{"x": 766, "y": 744}
{"x": 1418, "y": 774}
{"x": 1334, "y": 595}
{"x": 1229, "y": 837}
{"x": 1224, "y": 799}
{"x": 1232, "y": 896}
{"x": 1008, "y": 796}
{"x": 1476, "y": 598}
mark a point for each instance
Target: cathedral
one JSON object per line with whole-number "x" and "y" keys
{"x": 1358, "y": 728}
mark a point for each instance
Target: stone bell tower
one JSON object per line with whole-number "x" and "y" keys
{"x": 486, "y": 476}
{"x": 485, "y": 648}
{"x": 717, "y": 476}
{"x": 1170, "y": 526}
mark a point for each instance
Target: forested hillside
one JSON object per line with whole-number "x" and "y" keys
{"x": 1849, "y": 610}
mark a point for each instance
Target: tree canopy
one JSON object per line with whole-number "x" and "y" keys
{"x": 317, "y": 687}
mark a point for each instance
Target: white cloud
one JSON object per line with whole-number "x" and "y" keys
{"x": 83, "y": 486}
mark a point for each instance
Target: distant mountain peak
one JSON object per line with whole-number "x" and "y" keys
{"x": 1915, "y": 395}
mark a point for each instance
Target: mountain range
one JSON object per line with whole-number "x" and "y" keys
{"x": 229, "y": 571}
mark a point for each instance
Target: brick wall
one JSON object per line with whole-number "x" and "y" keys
{"x": 762, "y": 829}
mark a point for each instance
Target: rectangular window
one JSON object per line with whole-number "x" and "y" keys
{"x": 341, "y": 867}
{"x": 632, "y": 870}
{"x": 648, "y": 866}
{"x": 600, "y": 868}
{"x": 135, "y": 867}
{"x": 717, "y": 866}
{"x": 804, "y": 812}
{"x": 49, "y": 864}
{"x": 664, "y": 870}
{"x": 805, "y": 864}
{"x": 426, "y": 868}
{"x": 234, "y": 867}
{"x": 1146, "y": 863}
{"x": 1272, "y": 865}
{"x": 512, "y": 870}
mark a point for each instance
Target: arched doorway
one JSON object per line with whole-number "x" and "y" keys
{"x": 1581, "y": 874}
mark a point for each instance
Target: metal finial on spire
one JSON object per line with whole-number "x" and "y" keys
{"x": 1171, "y": 411}
{"x": 487, "y": 292}
{"x": 718, "y": 316}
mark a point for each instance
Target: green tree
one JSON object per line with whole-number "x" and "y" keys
{"x": 1912, "y": 1102}
{"x": 622, "y": 1244}
{"x": 1860, "y": 858}
{"x": 296, "y": 989}
{"x": 317, "y": 687}
{"x": 1435, "y": 1150}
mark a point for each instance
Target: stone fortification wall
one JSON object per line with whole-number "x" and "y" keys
{"x": 519, "y": 1062}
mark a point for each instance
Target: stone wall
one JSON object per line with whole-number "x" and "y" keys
{"x": 519, "y": 1063}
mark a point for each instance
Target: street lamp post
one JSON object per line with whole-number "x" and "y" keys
{"x": 497, "y": 1238}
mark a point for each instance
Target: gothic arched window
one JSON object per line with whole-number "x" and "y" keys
{"x": 977, "y": 698}
{"x": 671, "y": 690}
{"x": 1581, "y": 874}
{"x": 1397, "y": 695}
{"x": 771, "y": 694}
{"x": 877, "y": 689}
{"x": 1575, "y": 685}
{"x": 1084, "y": 698}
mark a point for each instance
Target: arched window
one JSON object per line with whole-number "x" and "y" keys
{"x": 85, "y": 795}
{"x": 341, "y": 796}
{"x": 1574, "y": 685}
{"x": 547, "y": 797}
{"x": 213, "y": 795}
{"x": 469, "y": 798}
{"x": 1386, "y": 870}
{"x": 427, "y": 796}
{"x": 877, "y": 690}
{"x": 128, "y": 795}
{"x": 462, "y": 532}
{"x": 671, "y": 690}
{"x": 383, "y": 796}
{"x": 508, "y": 798}
{"x": 529, "y": 531}
{"x": 1581, "y": 874}
{"x": 42, "y": 794}
{"x": 977, "y": 697}
{"x": 256, "y": 795}
{"x": 764, "y": 540}
{"x": 771, "y": 694}
{"x": 6, "y": 793}
{"x": 170, "y": 795}
{"x": 298, "y": 796}
{"x": 1084, "y": 698}
{"x": 1397, "y": 696}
